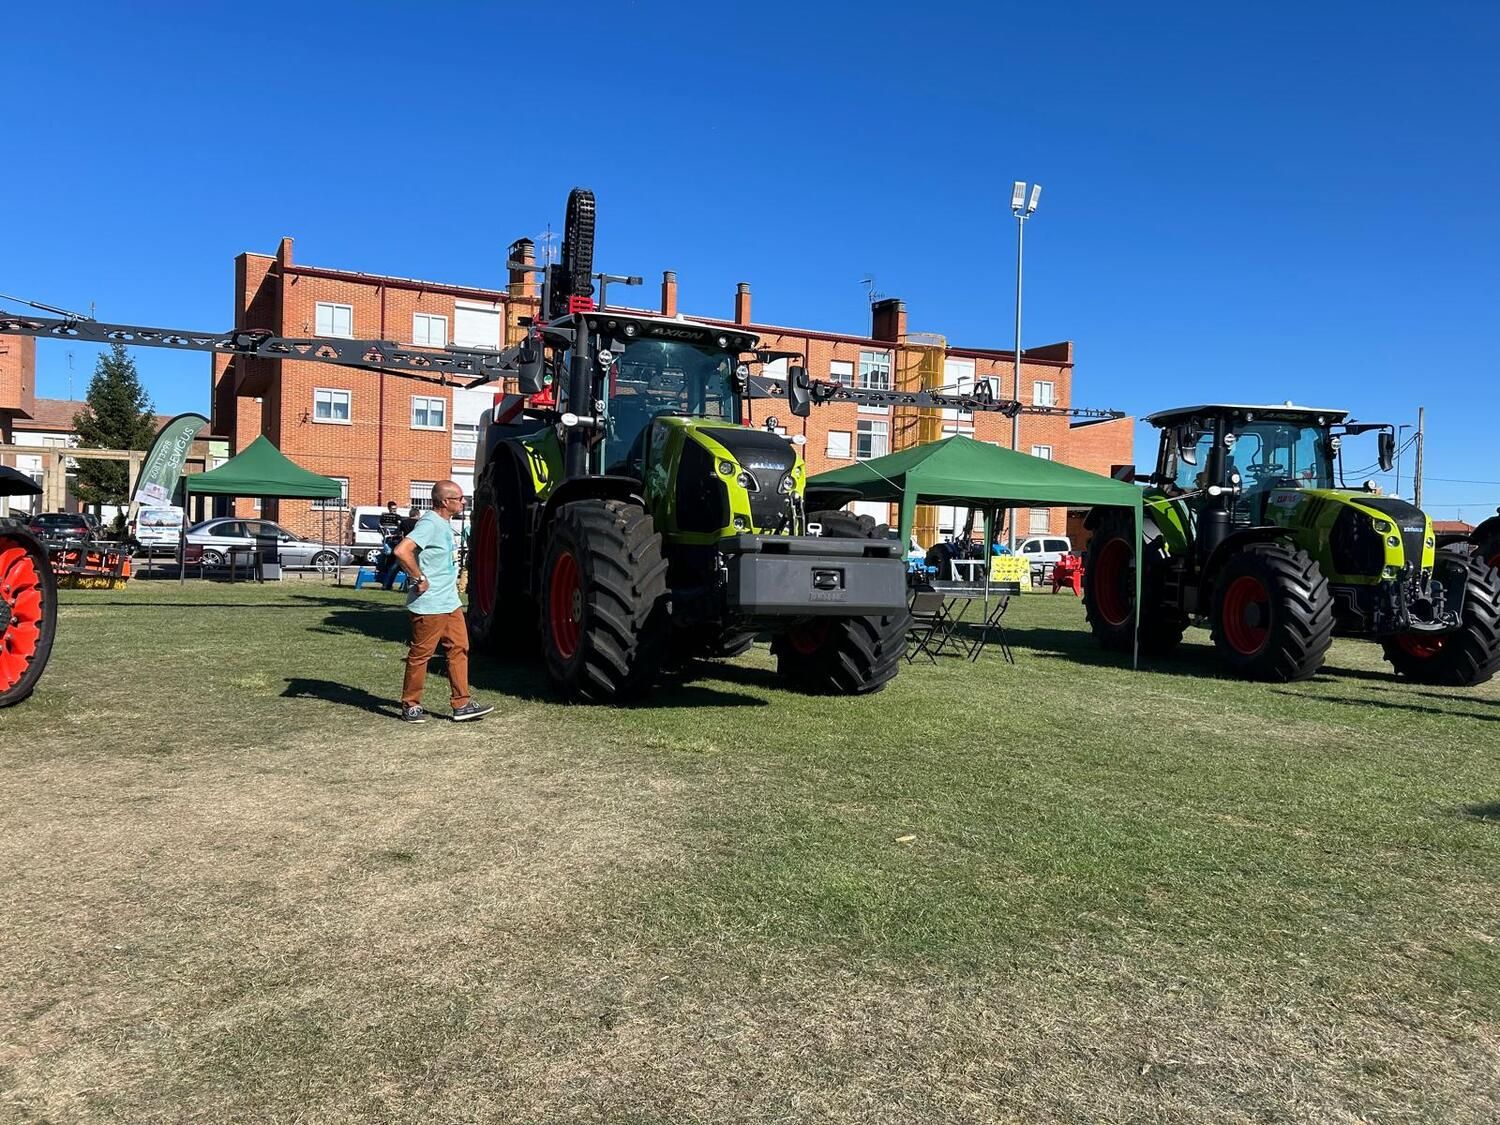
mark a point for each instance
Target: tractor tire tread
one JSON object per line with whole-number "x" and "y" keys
{"x": 1301, "y": 632}
{"x": 1471, "y": 655}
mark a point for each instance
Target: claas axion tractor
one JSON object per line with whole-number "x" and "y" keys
{"x": 1245, "y": 529}
{"x": 624, "y": 520}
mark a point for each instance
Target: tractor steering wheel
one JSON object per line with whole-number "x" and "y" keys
{"x": 1264, "y": 471}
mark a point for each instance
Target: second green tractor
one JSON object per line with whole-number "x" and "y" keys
{"x": 1246, "y": 530}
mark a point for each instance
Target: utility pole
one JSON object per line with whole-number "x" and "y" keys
{"x": 1416, "y": 495}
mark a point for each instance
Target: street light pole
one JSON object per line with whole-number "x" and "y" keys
{"x": 1022, "y": 209}
{"x": 1399, "y": 448}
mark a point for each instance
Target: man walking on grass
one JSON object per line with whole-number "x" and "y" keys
{"x": 426, "y": 555}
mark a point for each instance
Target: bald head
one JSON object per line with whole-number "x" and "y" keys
{"x": 447, "y": 498}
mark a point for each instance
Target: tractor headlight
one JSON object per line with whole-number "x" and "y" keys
{"x": 1394, "y": 541}
{"x": 747, "y": 482}
{"x": 1381, "y": 527}
{"x": 726, "y": 468}
{"x": 787, "y": 484}
{"x": 1430, "y": 541}
{"x": 741, "y": 523}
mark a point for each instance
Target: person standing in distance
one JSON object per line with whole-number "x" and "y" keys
{"x": 437, "y": 616}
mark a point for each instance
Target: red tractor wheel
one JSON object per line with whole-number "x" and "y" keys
{"x": 1467, "y": 656}
{"x": 28, "y": 613}
{"x": 1272, "y": 613}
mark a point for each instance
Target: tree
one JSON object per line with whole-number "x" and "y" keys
{"x": 117, "y": 414}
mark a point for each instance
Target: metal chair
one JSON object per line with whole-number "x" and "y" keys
{"x": 929, "y": 620}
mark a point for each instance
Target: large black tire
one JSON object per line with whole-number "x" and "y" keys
{"x": 1487, "y": 542}
{"x": 1464, "y": 658}
{"x": 28, "y": 613}
{"x": 1109, "y": 589}
{"x": 842, "y": 655}
{"x": 604, "y": 601}
{"x": 502, "y": 616}
{"x": 1272, "y": 613}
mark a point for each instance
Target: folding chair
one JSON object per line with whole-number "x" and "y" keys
{"x": 929, "y": 620}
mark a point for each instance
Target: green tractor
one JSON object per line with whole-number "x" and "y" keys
{"x": 1245, "y": 529}
{"x": 625, "y": 521}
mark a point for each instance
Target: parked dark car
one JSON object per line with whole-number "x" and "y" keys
{"x": 54, "y": 527}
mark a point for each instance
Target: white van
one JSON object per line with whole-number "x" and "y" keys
{"x": 1042, "y": 550}
{"x": 365, "y": 532}
{"x": 158, "y": 529}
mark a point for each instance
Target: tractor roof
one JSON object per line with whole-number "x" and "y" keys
{"x": 1277, "y": 411}
{"x": 655, "y": 327}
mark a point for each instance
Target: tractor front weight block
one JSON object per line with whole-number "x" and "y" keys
{"x": 785, "y": 576}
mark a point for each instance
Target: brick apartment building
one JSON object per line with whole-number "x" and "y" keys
{"x": 388, "y": 438}
{"x": 17, "y": 383}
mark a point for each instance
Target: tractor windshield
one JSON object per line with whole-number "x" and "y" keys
{"x": 1275, "y": 454}
{"x": 656, "y": 377}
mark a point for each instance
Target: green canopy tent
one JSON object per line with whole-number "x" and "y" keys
{"x": 260, "y": 472}
{"x": 974, "y": 474}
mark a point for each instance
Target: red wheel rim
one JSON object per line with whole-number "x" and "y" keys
{"x": 807, "y": 639}
{"x": 1247, "y": 615}
{"x": 565, "y": 605}
{"x": 1110, "y": 572}
{"x": 21, "y": 590}
{"x": 482, "y": 569}
{"x": 1419, "y": 646}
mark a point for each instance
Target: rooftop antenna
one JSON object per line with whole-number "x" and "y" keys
{"x": 70, "y": 376}
{"x": 869, "y": 284}
{"x": 546, "y": 239}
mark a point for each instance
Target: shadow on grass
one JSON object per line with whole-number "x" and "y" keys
{"x": 1487, "y": 812}
{"x": 1416, "y": 708}
{"x": 298, "y": 687}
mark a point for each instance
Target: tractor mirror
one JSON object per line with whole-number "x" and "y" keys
{"x": 1386, "y": 443}
{"x": 1187, "y": 451}
{"x": 798, "y": 393}
{"x": 529, "y": 367}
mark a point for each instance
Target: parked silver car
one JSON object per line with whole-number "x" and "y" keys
{"x": 216, "y": 537}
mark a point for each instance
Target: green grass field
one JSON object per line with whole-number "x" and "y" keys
{"x": 236, "y": 889}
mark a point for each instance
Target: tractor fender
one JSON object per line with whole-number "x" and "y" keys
{"x": 604, "y": 487}
{"x": 1486, "y": 538}
{"x": 1238, "y": 541}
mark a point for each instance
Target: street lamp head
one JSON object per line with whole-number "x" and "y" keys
{"x": 1018, "y": 196}
{"x": 1036, "y": 194}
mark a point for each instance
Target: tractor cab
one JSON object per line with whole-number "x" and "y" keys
{"x": 1235, "y": 459}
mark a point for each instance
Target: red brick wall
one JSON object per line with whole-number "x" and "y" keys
{"x": 17, "y": 380}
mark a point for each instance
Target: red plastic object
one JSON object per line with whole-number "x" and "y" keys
{"x": 1068, "y": 571}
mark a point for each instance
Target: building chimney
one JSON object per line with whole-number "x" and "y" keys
{"x": 284, "y": 252}
{"x": 522, "y": 281}
{"x": 742, "y": 303}
{"x": 669, "y": 293}
{"x": 888, "y": 320}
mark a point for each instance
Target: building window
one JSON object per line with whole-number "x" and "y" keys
{"x": 335, "y": 320}
{"x": 874, "y": 371}
{"x": 1043, "y": 393}
{"x": 838, "y": 445}
{"x": 465, "y": 441}
{"x": 428, "y": 413}
{"x": 330, "y": 504}
{"x": 874, "y": 440}
{"x": 476, "y": 325}
{"x": 841, "y": 371}
{"x": 429, "y": 331}
{"x": 421, "y": 494}
{"x": 1039, "y": 523}
{"x": 958, "y": 379}
{"x": 1042, "y": 451}
{"x": 330, "y": 405}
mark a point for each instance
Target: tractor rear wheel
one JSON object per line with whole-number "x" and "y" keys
{"x": 604, "y": 601}
{"x": 843, "y": 655}
{"x": 28, "y": 614}
{"x": 1468, "y": 656}
{"x": 1272, "y": 613}
{"x": 1109, "y": 590}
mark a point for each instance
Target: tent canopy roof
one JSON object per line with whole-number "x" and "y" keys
{"x": 962, "y": 471}
{"x": 262, "y": 471}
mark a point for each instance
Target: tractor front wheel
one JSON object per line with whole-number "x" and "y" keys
{"x": 604, "y": 601}
{"x": 842, "y": 655}
{"x": 1272, "y": 613}
{"x": 502, "y": 618}
{"x": 28, "y": 614}
{"x": 1468, "y": 656}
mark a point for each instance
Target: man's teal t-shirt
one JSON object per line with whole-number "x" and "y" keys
{"x": 433, "y": 536}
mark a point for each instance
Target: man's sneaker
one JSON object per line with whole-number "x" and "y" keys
{"x": 471, "y": 710}
{"x": 413, "y": 714}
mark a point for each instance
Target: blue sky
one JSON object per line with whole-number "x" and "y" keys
{"x": 1261, "y": 201}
